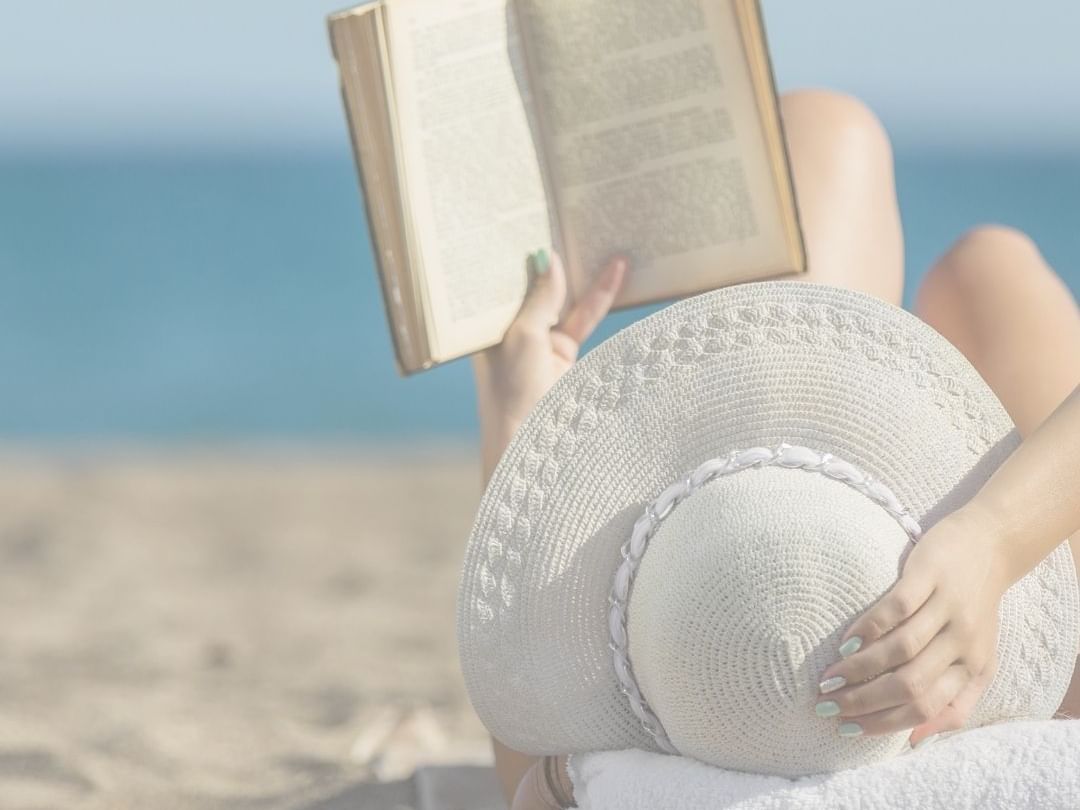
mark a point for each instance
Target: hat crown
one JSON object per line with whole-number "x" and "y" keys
{"x": 739, "y": 605}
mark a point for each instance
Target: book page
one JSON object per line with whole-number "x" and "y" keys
{"x": 654, "y": 142}
{"x": 471, "y": 168}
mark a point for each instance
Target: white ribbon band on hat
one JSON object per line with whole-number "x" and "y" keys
{"x": 783, "y": 455}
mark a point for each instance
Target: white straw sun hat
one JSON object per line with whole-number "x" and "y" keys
{"x": 678, "y": 535}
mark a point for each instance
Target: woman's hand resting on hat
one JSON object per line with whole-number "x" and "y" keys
{"x": 537, "y": 349}
{"x": 923, "y": 655}
{"x": 926, "y": 651}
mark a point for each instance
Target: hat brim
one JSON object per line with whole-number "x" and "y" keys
{"x": 750, "y": 365}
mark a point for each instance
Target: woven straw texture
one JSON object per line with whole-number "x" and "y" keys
{"x": 738, "y": 606}
{"x": 753, "y": 365}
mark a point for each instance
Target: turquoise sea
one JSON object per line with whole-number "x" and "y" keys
{"x": 225, "y": 297}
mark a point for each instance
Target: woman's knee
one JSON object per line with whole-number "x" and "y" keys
{"x": 841, "y": 127}
{"x": 994, "y": 297}
{"x": 842, "y": 165}
{"x": 986, "y": 248}
{"x": 988, "y": 258}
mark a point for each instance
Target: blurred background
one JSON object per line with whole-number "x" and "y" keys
{"x": 182, "y": 245}
{"x": 212, "y": 585}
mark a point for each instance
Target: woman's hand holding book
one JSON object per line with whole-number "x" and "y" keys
{"x": 537, "y": 349}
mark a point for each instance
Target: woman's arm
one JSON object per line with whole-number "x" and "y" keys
{"x": 511, "y": 378}
{"x": 922, "y": 656}
{"x": 1032, "y": 502}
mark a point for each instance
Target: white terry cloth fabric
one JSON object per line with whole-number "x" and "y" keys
{"x": 1033, "y": 764}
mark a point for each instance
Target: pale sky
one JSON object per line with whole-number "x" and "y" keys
{"x": 976, "y": 75}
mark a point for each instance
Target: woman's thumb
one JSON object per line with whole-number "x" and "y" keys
{"x": 546, "y": 291}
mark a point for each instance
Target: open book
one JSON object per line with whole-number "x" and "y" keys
{"x": 487, "y": 129}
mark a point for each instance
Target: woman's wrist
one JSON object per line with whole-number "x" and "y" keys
{"x": 982, "y": 523}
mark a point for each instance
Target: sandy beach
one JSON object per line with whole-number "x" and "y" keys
{"x": 230, "y": 629}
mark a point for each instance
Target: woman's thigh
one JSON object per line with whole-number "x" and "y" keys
{"x": 843, "y": 173}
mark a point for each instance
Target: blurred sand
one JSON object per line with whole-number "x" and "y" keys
{"x": 236, "y": 629}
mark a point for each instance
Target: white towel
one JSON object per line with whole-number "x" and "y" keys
{"x": 1011, "y": 765}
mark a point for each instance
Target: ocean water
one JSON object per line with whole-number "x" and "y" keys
{"x": 218, "y": 297}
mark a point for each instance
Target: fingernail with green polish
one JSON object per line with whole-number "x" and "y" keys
{"x": 827, "y": 708}
{"x": 832, "y": 684}
{"x": 851, "y": 646}
{"x": 849, "y": 730}
{"x": 541, "y": 261}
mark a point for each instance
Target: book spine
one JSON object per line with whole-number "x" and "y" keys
{"x": 347, "y": 45}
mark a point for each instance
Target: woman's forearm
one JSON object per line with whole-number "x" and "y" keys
{"x": 1032, "y": 502}
{"x": 494, "y": 440}
{"x": 498, "y": 422}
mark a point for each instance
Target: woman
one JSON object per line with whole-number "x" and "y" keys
{"x": 922, "y": 656}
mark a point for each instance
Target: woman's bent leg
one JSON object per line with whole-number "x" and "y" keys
{"x": 843, "y": 172}
{"x": 995, "y": 298}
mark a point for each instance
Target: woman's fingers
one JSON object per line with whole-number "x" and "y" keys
{"x": 948, "y": 719}
{"x": 892, "y": 650}
{"x": 903, "y": 599}
{"x": 926, "y": 707}
{"x": 906, "y": 684}
{"x": 591, "y": 308}
{"x": 545, "y": 295}
{"x": 955, "y": 716}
